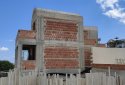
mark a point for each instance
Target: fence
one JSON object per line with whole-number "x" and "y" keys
{"x": 60, "y": 80}
{"x": 32, "y": 78}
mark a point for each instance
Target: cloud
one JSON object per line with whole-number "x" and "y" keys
{"x": 4, "y": 49}
{"x": 111, "y": 8}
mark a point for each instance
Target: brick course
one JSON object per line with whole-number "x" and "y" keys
{"x": 61, "y": 63}
{"x": 61, "y": 52}
{"x": 90, "y": 42}
{"x": 28, "y": 64}
{"x": 26, "y": 34}
{"x": 87, "y": 57}
{"x": 61, "y": 57}
{"x": 60, "y": 31}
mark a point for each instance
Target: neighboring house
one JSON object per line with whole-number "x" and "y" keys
{"x": 113, "y": 58}
{"x": 122, "y": 44}
{"x": 116, "y": 43}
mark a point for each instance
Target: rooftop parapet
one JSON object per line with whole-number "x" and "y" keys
{"x": 38, "y": 12}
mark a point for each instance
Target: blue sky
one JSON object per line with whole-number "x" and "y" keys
{"x": 107, "y": 15}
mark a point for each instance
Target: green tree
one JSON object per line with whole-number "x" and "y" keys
{"x": 6, "y": 66}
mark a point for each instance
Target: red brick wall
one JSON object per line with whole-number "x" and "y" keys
{"x": 29, "y": 64}
{"x": 90, "y": 42}
{"x": 85, "y": 34}
{"x": 61, "y": 63}
{"x": 87, "y": 40}
{"x": 87, "y": 50}
{"x": 87, "y": 54}
{"x": 60, "y": 52}
{"x": 56, "y": 30}
{"x": 61, "y": 57}
{"x": 26, "y": 34}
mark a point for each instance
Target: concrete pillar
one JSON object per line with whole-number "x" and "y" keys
{"x": 39, "y": 57}
{"x": 81, "y": 44}
{"x": 39, "y": 46}
{"x": 19, "y": 56}
{"x": 16, "y": 57}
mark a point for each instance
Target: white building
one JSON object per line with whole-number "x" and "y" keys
{"x": 113, "y": 58}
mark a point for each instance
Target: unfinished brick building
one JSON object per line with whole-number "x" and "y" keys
{"x": 55, "y": 43}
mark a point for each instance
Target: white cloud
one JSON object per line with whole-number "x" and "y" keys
{"x": 112, "y": 9}
{"x": 4, "y": 49}
{"x": 107, "y": 3}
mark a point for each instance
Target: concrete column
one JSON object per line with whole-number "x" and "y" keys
{"x": 80, "y": 32}
{"x": 39, "y": 58}
{"x": 16, "y": 57}
{"x": 81, "y": 59}
{"x": 40, "y": 28}
{"x": 39, "y": 46}
{"x": 38, "y": 37}
{"x": 19, "y": 56}
{"x": 81, "y": 44}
